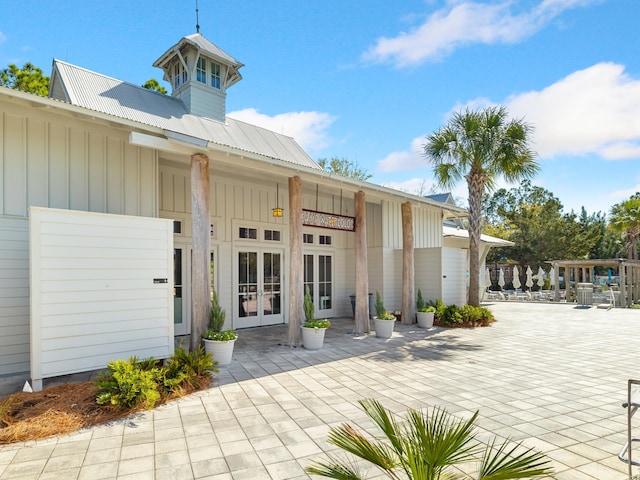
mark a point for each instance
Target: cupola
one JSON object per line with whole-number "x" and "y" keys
{"x": 200, "y": 73}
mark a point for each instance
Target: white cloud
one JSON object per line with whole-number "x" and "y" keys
{"x": 3, "y": 38}
{"x": 594, "y": 110}
{"x": 465, "y": 23}
{"x": 307, "y": 128}
{"x": 406, "y": 160}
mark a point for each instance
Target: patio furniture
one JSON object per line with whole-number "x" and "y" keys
{"x": 632, "y": 404}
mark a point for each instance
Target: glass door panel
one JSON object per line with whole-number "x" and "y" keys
{"x": 259, "y": 288}
{"x": 181, "y": 304}
{"x": 247, "y": 284}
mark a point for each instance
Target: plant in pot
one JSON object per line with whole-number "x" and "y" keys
{"x": 383, "y": 320}
{"x": 219, "y": 342}
{"x": 313, "y": 329}
{"x": 424, "y": 313}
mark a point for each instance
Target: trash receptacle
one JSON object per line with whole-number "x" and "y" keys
{"x": 353, "y": 305}
{"x": 584, "y": 294}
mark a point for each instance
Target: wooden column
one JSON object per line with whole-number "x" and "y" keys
{"x": 556, "y": 283}
{"x": 200, "y": 244}
{"x": 296, "y": 264}
{"x": 622, "y": 271}
{"x": 408, "y": 269}
{"x": 362, "y": 269}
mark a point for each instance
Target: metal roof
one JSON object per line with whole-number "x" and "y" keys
{"x": 204, "y": 45}
{"x": 104, "y": 94}
{"x": 464, "y": 234}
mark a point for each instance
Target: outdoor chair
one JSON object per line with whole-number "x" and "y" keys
{"x": 632, "y": 404}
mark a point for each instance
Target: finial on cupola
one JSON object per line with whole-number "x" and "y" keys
{"x": 197, "y": 21}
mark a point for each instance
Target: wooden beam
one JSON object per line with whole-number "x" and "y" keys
{"x": 408, "y": 269}
{"x": 200, "y": 277}
{"x": 362, "y": 269}
{"x": 296, "y": 261}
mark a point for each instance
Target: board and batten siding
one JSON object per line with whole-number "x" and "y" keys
{"x": 427, "y": 226}
{"x": 94, "y": 293}
{"x": 53, "y": 160}
{"x": 14, "y": 295}
{"x": 428, "y": 272}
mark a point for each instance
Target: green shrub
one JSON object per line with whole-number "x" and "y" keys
{"x": 308, "y": 306}
{"x": 136, "y": 384}
{"x": 450, "y": 315}
{"x": 380, "y": 310}
{"x": 420, "y": 301}
{"x": 128, "y": 385}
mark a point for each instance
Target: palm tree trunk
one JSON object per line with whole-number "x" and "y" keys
{"x": 476, "y": 187}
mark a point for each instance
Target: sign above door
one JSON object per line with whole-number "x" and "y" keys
{"x": 311, "y": 218}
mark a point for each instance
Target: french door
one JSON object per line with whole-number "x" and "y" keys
{"x": 259, "y": 287}
{"x": 181, "y": 289}
{"x": 318, "y": 278}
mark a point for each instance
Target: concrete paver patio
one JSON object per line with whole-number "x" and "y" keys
{"x": 552, "y": 376}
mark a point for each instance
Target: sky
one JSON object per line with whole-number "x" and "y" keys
{"x": 368, "y": 80}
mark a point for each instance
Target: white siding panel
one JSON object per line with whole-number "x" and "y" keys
{"x": 14, "y": 295}
{"x": 58, "y": 167}
{"x": 93, "y": 296}
{"x": 37, "y": 171}
{"x": 428, "y": 272}
{"x": 14, "y": 184}
{"x": 454, "y": 281}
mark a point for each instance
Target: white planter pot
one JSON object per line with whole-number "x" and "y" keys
{"x": 425, "y": 319}
{"x": 222, "y": 351}
{"x": 312, "y": 338}
{"x": 384, "y": 328}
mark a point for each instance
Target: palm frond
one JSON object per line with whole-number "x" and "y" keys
{"x": 506, "y": 464}
{"x": 350, "y": 440}
{"x": 340, "y": 470}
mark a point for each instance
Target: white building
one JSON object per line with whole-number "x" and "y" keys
{"x": 100, "y": 246}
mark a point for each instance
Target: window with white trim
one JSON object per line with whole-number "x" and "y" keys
{"x": 215, "y": 75}
{"x": 201, "y": 70}
{"x": 272, "y": 235}
{"x": 307, "y": 238}
{"x": 324, "y": 239}
{"x": 176, "y": 75}
{"x": 248, "y": 233}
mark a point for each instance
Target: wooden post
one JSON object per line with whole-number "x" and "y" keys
{"x": 408, "y": 269}
{"x": 623, "y": 284}
{"x": 362, "y": 274}
{"x": 556, "y": 282}
{"x": 200, "y": 277}
{"x": 296, "y": 261}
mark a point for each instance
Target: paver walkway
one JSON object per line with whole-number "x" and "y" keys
{"x": 552, "y": 376}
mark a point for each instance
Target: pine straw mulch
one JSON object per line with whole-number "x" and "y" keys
{"x": 62, "y": 409}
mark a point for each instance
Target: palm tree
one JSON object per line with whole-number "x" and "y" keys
{"x": 427, "y": 447}
{"x": 480, "y": 146}
{"x": 625, "y": 219}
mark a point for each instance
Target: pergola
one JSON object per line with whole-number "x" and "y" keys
{"x": 628, "y": 270}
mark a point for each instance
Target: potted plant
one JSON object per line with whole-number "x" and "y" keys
{"x": 424, "y": 313}
{"x": 313, "y": 329}
{"x": 219, "y": 342}
{"x": 383, "y": 320}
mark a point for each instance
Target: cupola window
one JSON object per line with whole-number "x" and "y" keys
{"x": 215, "y": 75}
{"x": 201, "y": 70}
{"x": 176, "y": 75}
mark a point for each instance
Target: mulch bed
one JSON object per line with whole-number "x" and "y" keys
{"x": 61, "y": 410}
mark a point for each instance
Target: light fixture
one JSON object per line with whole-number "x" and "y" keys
{"x": 277, "y": 212}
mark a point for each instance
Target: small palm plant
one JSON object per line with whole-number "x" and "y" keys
{"x": 427, "y": 446}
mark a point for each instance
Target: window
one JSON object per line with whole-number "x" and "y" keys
{"x": 307, "y": 238}
{"x": 273, "y": 235}
{"x": 325, "y": 240}
{"x": 177, "y": 226}
{"x": 201, "y": 70}
{"x": 184, "y": 71}
{"x": 249, "y": 233}
{"x": 176, "y": 75}
{"x": 215, "y": 75}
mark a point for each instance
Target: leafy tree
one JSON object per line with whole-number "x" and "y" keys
{"x": 345, "y": 167}
{"x": 625, "y": 220}
{"x": 29, "y": 79}
{"x": 427, "y": 446}
{"x": 480, "y": 146}
{"x": 152, "y": 84}
{"x": 533, "y": 219}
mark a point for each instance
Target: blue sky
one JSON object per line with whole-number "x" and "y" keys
{"x": 368, "y": 80}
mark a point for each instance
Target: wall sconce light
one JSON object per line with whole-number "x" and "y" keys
{"x": 277, "y": 212}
